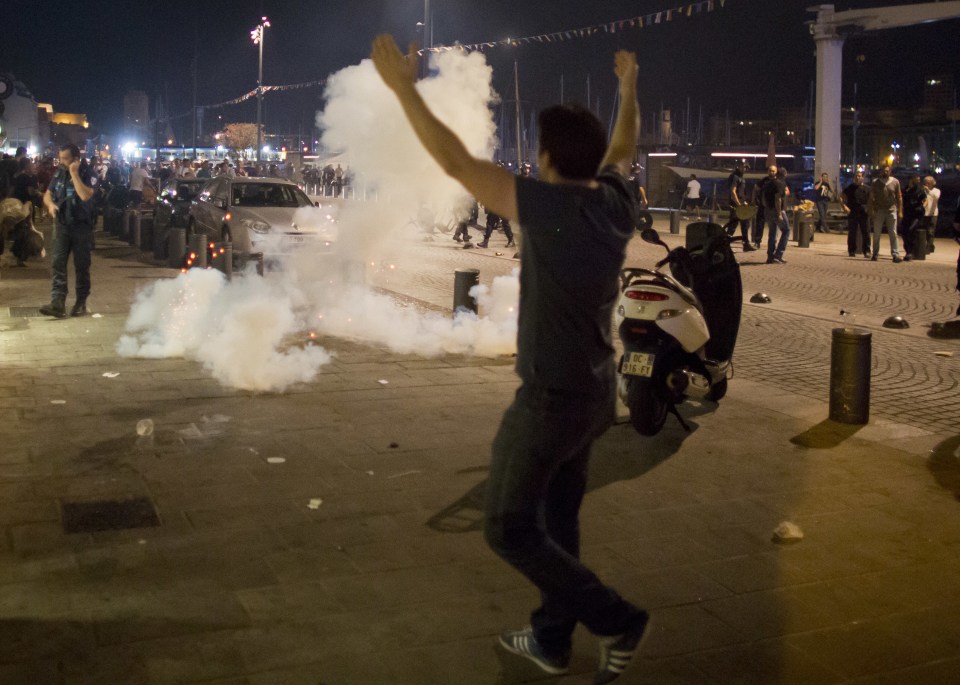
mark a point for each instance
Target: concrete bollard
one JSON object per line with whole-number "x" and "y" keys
{"x": 463, "y": 280}
{"x": 850, "y": 355}
{"x": 675, "y": 222}
{"x": 176, "y": 247}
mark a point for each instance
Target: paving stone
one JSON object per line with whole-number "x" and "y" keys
{"x": 857, "y": 649}
{"x": 390, "y": 581}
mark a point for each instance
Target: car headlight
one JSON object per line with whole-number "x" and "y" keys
{"x": 256, "y": 226}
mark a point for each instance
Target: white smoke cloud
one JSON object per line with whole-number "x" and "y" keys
{"x": 242, "y": 330}
{"x": 370, "y": 317}
{"x": 237, "y": 329}
{"x": 364, "y": 119}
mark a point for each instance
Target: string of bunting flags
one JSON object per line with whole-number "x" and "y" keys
{"x": 247, "y": 96}
{"x": 663, "y": 16}
{"x": 266, "y": 89}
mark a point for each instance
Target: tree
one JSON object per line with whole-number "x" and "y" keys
{"x": 239, "y": 137}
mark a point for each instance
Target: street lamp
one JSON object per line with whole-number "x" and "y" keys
{"x": 257, "y": 35}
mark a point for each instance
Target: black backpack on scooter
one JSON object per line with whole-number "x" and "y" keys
{"x": 713, "y": 274}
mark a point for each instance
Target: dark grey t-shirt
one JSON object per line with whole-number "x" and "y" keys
{"x": 574, "y": 244}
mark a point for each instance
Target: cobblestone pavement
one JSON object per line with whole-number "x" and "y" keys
{"x": 788, "y": 341}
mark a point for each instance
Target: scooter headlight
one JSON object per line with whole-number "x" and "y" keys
{"x": 668, "y": 314}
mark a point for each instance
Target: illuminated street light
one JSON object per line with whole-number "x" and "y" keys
{"x": 257, "y": 35}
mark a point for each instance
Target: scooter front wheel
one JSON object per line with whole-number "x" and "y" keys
{"x": 648, "y": 408}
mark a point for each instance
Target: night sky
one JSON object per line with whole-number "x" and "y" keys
{"x": 750, "y": 57}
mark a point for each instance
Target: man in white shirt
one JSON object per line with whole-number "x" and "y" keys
{"x": 186, "y": 169}
{"x": 931, "y": 210}
{"x": 691, "y": 196}
{"x": 138, "y": 177}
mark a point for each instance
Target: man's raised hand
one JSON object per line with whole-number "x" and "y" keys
{"x": 396, "y": 70}
{"x": 625, "y": 66}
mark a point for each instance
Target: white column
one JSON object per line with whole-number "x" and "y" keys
{"x": 829, "y": 84}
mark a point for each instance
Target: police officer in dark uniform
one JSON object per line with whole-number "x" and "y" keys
{"x": 495, "y": 221}
{"x": 71, "y": 200}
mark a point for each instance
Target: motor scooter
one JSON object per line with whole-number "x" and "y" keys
{"x": 678, "y": 329}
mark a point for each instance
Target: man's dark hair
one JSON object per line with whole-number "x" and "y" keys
{"x": 72, "y": 149}
{"x": 20, "y": 152}
{"x": 575, "y": 140}
{"x": 24, "y": 163}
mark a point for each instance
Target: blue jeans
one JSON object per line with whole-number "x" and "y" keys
{"x": 78, "y": 239}
{"x": 776, "y": 221}
{"x": 822, "y": 206}
{"x": 538, "y": 477}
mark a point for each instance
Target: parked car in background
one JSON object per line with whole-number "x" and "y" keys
{"x": 262, "y": 217}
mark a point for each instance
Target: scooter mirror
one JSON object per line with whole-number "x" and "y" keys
{"x": 649, "y": 235}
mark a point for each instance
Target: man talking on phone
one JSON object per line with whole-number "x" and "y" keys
{"x": 577, "y": 220}
{"x": 70, "y": 201}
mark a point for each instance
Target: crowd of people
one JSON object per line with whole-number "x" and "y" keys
{"x": 908, "y": 214}
{"x": 72, "y": 190}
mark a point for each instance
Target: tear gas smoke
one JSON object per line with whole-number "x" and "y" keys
{"x": 240, "y": 330}
{"x": 358, "y": 314}
{"x": 235, "y": 329}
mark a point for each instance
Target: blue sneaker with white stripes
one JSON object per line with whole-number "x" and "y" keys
{"x": 617, "y": 651}
{"x": 523, "y": 643}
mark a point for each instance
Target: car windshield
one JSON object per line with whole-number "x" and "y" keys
{"x": 268, "y": 195}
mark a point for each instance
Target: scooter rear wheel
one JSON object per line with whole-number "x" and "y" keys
{"x": 648, "y": 408}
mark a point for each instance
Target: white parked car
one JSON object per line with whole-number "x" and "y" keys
{"x": 262, "y": 217}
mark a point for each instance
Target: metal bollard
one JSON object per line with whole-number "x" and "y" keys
{"x": 126, "y": 224}
{"x": 850, "y": 376}
{"x": 198, "y": 251}
{"x": 146, "y": 232}
{"x": 176, "y": 247}
{"x": 223, "y": 258}
{"x": 133, "y": 237}
{"x": 463, "y": 280}
{"x": 675, "y": 221}
{"x": 919, "y": 249}
{"x": 712, "y": 218}
{"x": 804, "y": 230}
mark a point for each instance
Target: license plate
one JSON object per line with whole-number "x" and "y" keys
{"x": 294, "y": 239}
{"x": 638, "y": 364}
